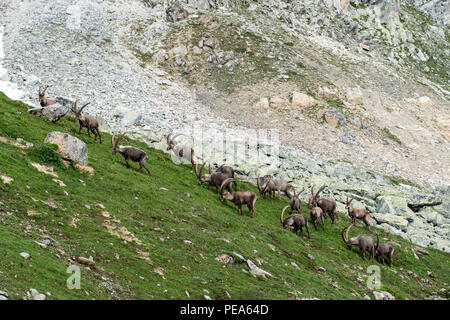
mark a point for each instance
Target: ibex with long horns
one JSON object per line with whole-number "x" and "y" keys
{"x": 327, "y": 204}
{"x": 296, "y": 221}
{"x": 384, "y": 250}
{"x": 239, "y": 198}
{"x": 355, "y": 213}
{"x": 268, "y": 187}
{"x": 180, "y": 151}
{"x": 130, "y": 153}
{"x": 43, "y": 101}
{"x": 86, "y": 121}
{"x": 364, "y": 242}
{"x": 214, "y": 179}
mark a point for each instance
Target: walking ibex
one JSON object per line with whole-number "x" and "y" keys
{"x": 271, "y": 186}
{"x": 315, "y": 212}
{"x": 355, "y": 213}
{"x": 382, "y": 250}
{"x": 86, "y": 121}
{"x": 239, "y": 198}
{"x": 130, "y": 153}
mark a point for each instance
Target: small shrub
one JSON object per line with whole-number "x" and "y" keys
{"x": 46, "y": 154}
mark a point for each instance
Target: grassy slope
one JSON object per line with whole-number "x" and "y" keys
{"x": 142, "y": 206}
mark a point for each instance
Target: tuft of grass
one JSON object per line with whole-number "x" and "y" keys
{"x": 181, "y": 226}
{"x": 388, "y": 134}
{"x": 46, "y": 153}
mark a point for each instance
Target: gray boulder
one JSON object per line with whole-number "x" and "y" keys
{"x": 175, "y": 12}
{"x": 69, "y": 147}
{"x": 53, "y": 112}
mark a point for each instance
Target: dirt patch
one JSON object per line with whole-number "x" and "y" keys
{"x": 13, "y": 143}
{"x": 87, "y": 169}
{"x": 6, "y": 179}
{"x": 45, "y": 169}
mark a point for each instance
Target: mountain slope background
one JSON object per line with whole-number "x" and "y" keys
{"x": 166, "y": 237}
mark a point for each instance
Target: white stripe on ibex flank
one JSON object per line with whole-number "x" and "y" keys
{"x": 8, "y": 88}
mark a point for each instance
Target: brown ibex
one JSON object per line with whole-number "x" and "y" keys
{"x": 86, "y": 121}
{"x": 327, "y": 204}
{"x": 214, "y": 179}
{"x": 272, "y": 185}
{"x": 239, "y": 198}
{"x": 315, "y": 213}
{"x": 130, "y": 153}
{"x": 295, "y": 203}
{"x": 226, "y": 170}
{"x": 364, "y": 242}
{"x": 296, "y": 221}
{"x": 382, "y": 250}
{"x": 268, "y": 187}
{"x": 355, "y": 213}
{"x": 43, "y": 101}
{"x": 180, "y": 151}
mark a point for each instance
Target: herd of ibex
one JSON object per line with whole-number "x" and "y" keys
{"x": 223, "y": 177}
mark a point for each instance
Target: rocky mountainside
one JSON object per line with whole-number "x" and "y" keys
{"x": 358, "y": 90}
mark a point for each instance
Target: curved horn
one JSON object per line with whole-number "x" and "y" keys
{"x": 282, "y": 214}
{"x": 112, "y": 141}
{"x": 209, "y": 169}
{"x": 177, "y": 135}
{"x": 192, "y": 157}
{"x": 259, "y": 185}
{"x": 320, "y": 190}
{"x": 224, "y": 183}
{"x": 39, "y": 90}
{"x": 81, "y": 109}
{"x": 168, "y": 139}
{"x": 74, "y": 108}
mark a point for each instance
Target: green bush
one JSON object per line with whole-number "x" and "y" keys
{"x": 46, "y": 153}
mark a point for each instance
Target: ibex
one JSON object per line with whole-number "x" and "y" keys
{"x": 180, "y": 151}
{"x": 268, "y": 187}
{"x": 355, "y": 213}
{"x": 295, "y": 202}
{"x": 44, "y": 102}
{"x": 327, "y": 204}
{"x": 277, "y": 185}
{"x": 130, "y": 153}
{"x": 239, "y": 198}
{"x": 226, "y": 170}
{"x": 86, "y": 121}
{"x": 315, "y": 213}
{"x": 214, "y": 179}
{"x": 364, "y": 243}
{"x": 382, "y": 250}
{"x": 296, "y": 221}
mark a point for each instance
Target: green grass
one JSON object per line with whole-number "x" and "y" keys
{"x": 162, "y": 220}
{"x": 388, "y": 134}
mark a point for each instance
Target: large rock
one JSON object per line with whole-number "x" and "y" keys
{"x": 395, "y": 221}
{"x": 69, "y": 147}
{"x": 334, "y": 118}
{"x": 394, "y": 205}
{"x": 53, "y": 112}
{"x": 176, "y": 12}
{"x": 302, "y": 100}
{"x": 355, "y": 96}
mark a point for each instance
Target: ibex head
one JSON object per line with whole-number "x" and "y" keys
{"x": 227, "y": 195}
{"x": 78, "y": 115}
{"x": 41, "y": 93}
{"x": 171, "y": 142}
{"x": 345, "y": 236}
{"x": 348, "y": 204}
{"x": 202, "y": 178}
{"x": 115, "y": 144}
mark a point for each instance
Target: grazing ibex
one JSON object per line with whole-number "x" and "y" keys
{"x": 355, "y": 213}
{"x": 316, "y": 213}
{"x": 180, "y": 151}
{"x": 239, "y": 198}
{"x": 295, "y": 202}
{"x": 44, "y": 102}
{"x": 130, "y": 153}
{"x": 86, "y": 121}
{"x": 272, "y": 185}
{"x": 327, "y": 204}
{"x": 382, "y": 250}
{"x": 214, "y": 179}
{"x": 364, "y": 242}
{"x": 296, "y": 221}
{"x": 268, "y": 187}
